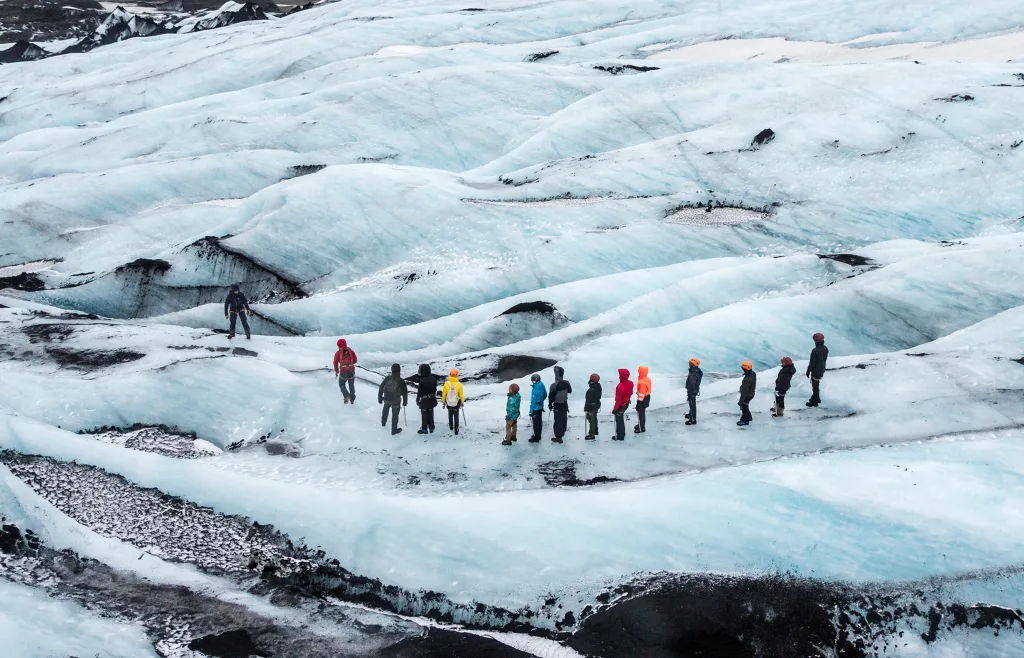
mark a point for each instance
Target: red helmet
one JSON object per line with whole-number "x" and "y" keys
{"x": 342, "y": 343}
{"x": 786, "y": 361}
{"x": 514, "y": 388}
{"x": 819, "y": 337}
{"x": 595, "y": 378}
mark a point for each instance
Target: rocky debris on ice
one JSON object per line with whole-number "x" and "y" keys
{"x": 159, "y": 439}
{"x": 283, "y": 447}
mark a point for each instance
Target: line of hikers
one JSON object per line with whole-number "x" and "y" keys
{"x": 393, "y": 393}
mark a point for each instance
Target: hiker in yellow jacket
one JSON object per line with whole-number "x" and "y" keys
{"x": 453, "y": 397}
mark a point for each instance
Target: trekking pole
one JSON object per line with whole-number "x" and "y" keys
{"x": 464, "y": 422}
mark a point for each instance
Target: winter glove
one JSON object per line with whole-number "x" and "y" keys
{"x": 507, "y": 418}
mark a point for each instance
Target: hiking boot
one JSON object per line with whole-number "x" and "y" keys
{"x": 346, "y": 400}
{"x": 230, "y": 336}
{"x": 636, "y": 429}
{"x": 743, "y": 423}
{"x": 618, "y": 438}
{"x": 506, "y": 443}
{"x": 514, "y": 438}
{"x": 589, "y": 438}
{"x": 687, "y": 416}
{"x": 690, "y": 422}
{"x": 810, "y": 404}
{"x": 421, "y": 431}
{"x": 248, "y": 337}
{"x": 534, "y": 439}
{"x": 555, "y": 439}
{"x": 383, "y": 423}
{"x": 776, "y": 414}
{"x": 456, "y": 432}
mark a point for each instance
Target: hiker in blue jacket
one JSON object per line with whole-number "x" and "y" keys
{"x": 537, "y": 396}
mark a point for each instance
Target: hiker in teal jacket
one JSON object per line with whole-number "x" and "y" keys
{"x": 512, "y": 414}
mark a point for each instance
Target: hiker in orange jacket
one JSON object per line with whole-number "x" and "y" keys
{"x": 643, "y": 399}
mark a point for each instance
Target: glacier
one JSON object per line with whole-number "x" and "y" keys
{"x": 500, "y": 189}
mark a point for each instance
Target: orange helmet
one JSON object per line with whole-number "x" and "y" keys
{"x": 747, "y": 365}
{"x": 454, "y": 372}
{"x": 694, "y": 361}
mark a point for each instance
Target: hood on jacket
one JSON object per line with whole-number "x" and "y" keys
{"x": 342, "y": 343}
{"x": 559, "y": 373}
{"x": 424, "y": 369}
{"x": 642, "y": 371}
{"x": 623, "y": 375}
{"x": 454, "y": 378}
{"x": 396, "y": 370}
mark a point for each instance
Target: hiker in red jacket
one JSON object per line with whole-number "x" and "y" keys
{"x": 345, "y": 361}
{"x": 623, "y": 394}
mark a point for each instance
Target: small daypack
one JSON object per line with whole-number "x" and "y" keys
{"x": 453, "y": 396}
{"x": 392, "y": 391}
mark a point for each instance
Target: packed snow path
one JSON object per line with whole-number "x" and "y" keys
{"x": 501, "y": 189}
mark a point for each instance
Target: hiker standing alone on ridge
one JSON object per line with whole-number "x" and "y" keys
{"x": 693, "y": 378}
{"x": 453, "y": 397}
{"x": 816, "y": 368}
{"x": 592, "y": 405}
{"x": 345, "y": 361}
{"x": 426, "y": 398}
{"x": 391, "y": 393}
{"x": 537, "y": 395}
{"x": 236, "y": 306}
{"x": 623, "y": 394}
{"x": 558, "y": 403}
{"x": 643, "y": 399}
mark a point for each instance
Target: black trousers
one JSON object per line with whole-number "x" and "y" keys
{"x": 538, "y": 423}
{"x": 427, "y": 419}
{"x": 620, "y": 423}
{"x": 641, "y": 412}
{"x": 692, "y": 401}
{"x": 815, "y": 390}
{"x": 591, "y": 423}
{"x": 561, "y": 420}
{"x": 745, "y": 412}
{"x": 780, "y": 403}
{"x": 236, "y": 316}
{"x": 453, "y": 419}
{"x": 393, "y": 408}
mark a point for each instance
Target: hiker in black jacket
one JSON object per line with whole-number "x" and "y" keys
{"x": 591, "y": 405}
{"x": 392, "y": 393}
{"x": 426, "y": 397}
{"x": 236, "y": 306}
{"x": 816, "y": 368}
{"x": 747, "y": 387}
{"x": 558, "y": 403}
{"x": 782, "y": 384}
{"x": 693, "y": 378}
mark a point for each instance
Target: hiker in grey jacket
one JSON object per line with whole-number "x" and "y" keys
{"x": 392, "y": 393}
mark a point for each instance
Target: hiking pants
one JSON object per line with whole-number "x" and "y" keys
{"x": 561, "y": 414}
{"x": 591, "y": 423}
{"x": 236, "y": 316}
{"x": 692, "y": 401}
{"x": 347, "y": 384}
{"x": 641, "y": 412}
{"x": 745, "y": 412}
{"x": 511, "y": 427}
{"x": 393, "y": 407}
{"x": 538, "y": 423}
{"x": 815, "y": 390}
{"x": 453, "y": 419}
{"x": 780, "y": 403}
{"x": 620, "y": 423}
{"x": 427, "y": 419}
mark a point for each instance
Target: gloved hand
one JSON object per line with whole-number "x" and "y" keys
{"x": 225, "y": 317}
{"x": 508, "y": 418}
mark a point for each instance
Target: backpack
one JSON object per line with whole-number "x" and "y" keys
{"x": 392, "y": 391}
{"x": 452, "y": 400}
{"x": 346, "y": 357}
